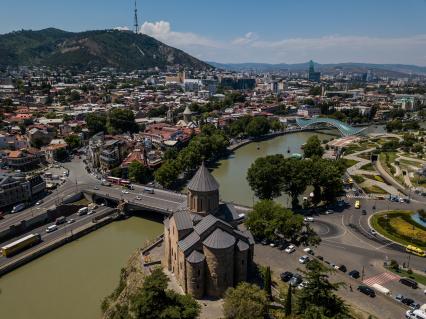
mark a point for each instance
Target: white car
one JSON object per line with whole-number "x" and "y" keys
{"x": 304, "y": 259}
{"x": 308, "y": 250}
{"x": 302, "y": 285}
{"x": 39, "y": 202}
{"x": 329, "y": 212}
{"x": 70, "y": 221}
{"x": 308, "y": 219}
{"x": 290, "y": 249}
{"x": 138, "y": 198}
{"x": 51, "y": 228}
{"x": 125, "y": 192}
{"x": 90, "y": 212}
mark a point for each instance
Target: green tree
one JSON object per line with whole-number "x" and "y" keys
{"x": 73, "y": 141}
{"x": 51, "y": 115}
{"x": 120, "y": 121}
{"x": 96, "y": 122}
{"x": 288, "y": 302}
{"x": 313, "y": 147}
{"x": 167, "y": 174}
{"x": 246, "y": 301}
{"x": 154, "y": 300}
{"x": 264, "y": 176}
{"x": 267, "y": 283}
{"x": 258, "y": 126}
{"x": 296, "y": 175}
{"x": 318, "y": 297}
{"x": 139, "y": 173}
{"x": 61, "y": 154}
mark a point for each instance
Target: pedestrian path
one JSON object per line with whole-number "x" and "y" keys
{"x": 381, "y": 279}
{"x": 359, "y": 196}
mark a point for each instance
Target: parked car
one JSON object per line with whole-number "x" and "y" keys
{"x": 407, "y": 301}
{"x": 415, "y": 306}
{"x": 290, "y": 249}
{"x": 354, "y": 274}
{"x": 329, "y": 211}
{"x": 286, "y": 276}
{"x": 364, "y": 212}
{"x": 295, "y": 280}
{"x": 264, "y": 242}
{"x": 320, "y": 257}
{"x": 138, "y": 198}
{"x": 343, "y": 268}
{"x": 399, "y": 297}
{"x": 304, "y": 259}
{"x": 308, "y": 219}
{"x": 367, "y": 290}
{"x": 409, "y": 282}
{"x": 308, "y": 250}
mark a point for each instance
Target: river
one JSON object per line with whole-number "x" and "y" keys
{"x": 231, "y": 172}
{"x": 71, "y": 281}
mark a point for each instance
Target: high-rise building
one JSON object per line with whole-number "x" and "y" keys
{"x": 313, "y": 76}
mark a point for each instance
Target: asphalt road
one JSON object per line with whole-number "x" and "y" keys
{"x": 49, "y": 237}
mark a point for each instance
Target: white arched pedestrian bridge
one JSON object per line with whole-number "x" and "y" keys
{"x": 344, "y": 129}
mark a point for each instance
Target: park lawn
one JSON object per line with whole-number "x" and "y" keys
{"x": 403, "y": 227}
{"x": 368, "y": 167}
{"x": 399, "y": 228}
{"x": 374, "y": 189}
{"x": 358, "y": 179}
{"x": 403, "y": 273}
{"x": 348, "y": 162}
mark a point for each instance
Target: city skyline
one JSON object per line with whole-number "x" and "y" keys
{"x": 286, "y": 32}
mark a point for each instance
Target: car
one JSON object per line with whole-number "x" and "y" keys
{"x": 264, "y": 242}
{"x": 367, "y": 291}
{"x": 308, "y": 219}
{"x": 373, "y": 232}
{"x": 39, "y": 202}
{"x": 364, "y": 212}
{"x": 282, "y": 246}
{"x": 51, "y": 228}
{"x": 343, "y": 268}
{"x": 399, "y": 297}
{"x": 290, "y": 249}
{"x": 90, "y": 212}
{"x": 329, "y": 212}
{"x": 357, "y": 204}
{"x": 308, "y": 250}
{"x": 125, "y": 192}
{"x": 320, "y": 257}
{"x": 354, "y": 274}
{"x": 415, "y": 306}
{"x": 304, "y": 259}
{"x": 96, "y": 188}
{"x": 407, "y": 301}
{"x": 286, "y": 276}
{"x": 138, "y": 198}
{"x": 408, "y": 282}
{"x": 70, "y": 221}
{"x": 295, "y": 280}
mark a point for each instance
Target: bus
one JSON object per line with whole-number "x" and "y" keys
{"x": 18, "y": 208}
{"x": 415, "y": 251}
{"x": 20, "y": 244}
{"x": 118, "y": 181}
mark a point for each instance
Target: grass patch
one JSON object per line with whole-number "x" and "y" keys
{"x": 368, "y": 167}
{"x": 82, "y": 201}
{"x": 403, "y": 273}
{"x": 398, "y": 226}
{"x": 374, "y": 189}
{"x": 348, "y": 162}
{"x": 358, "y": 179}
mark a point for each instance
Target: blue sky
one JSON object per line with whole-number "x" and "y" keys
{"x": 288, "y": 31}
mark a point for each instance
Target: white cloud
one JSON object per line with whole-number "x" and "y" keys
{"x": 161, "y": 30}
{"x": 327, "y": 49}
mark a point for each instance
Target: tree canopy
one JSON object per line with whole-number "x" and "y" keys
{"x": 246, "y": 301}
{"x": 139, "y": 173}
{"x": 121, "y": 121}
{"x": 313, "y": 147}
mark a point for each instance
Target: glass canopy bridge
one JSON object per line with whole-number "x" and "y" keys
{"x": 344, "y": 129}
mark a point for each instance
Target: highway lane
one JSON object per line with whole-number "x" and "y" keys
{"x": 49, "y": 237}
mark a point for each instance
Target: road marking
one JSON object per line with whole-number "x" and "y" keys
{"x": 383, "y": 246}
{"x": 360, "y": 239}
{"x": 381, "y": 279}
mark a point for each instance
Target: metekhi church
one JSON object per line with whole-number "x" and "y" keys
{"x": 204, "y": 248}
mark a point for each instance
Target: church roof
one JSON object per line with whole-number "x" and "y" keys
{"x": 182, "y": 220}
{"x": 242, "y": 246}
{"x": 203, "y": 181}
{"x": 219, "y": 239}
{"x": 189, "y": 241}
{"x": 187, "y": 111}
{"x": 195, "y": 257}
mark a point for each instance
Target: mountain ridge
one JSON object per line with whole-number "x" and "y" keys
{"x": 91, "y": 49}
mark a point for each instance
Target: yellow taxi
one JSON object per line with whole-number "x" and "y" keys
{"x": 357, "y": 204}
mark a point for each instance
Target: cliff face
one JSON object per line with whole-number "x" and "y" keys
{"x": 131, "y": 281}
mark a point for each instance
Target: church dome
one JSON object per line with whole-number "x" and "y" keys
{"x": 203, "y": 181}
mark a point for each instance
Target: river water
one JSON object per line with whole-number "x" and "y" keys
{"x": 71, "y": 281}
{"x": 231, "y": 172}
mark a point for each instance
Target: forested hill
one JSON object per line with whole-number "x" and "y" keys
{"x": 124, "y": 50}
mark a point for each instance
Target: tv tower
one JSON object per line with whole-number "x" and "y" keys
{"x": 136, "y": 25}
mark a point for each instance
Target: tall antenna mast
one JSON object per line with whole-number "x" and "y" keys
{"x": 136, "y": 25}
